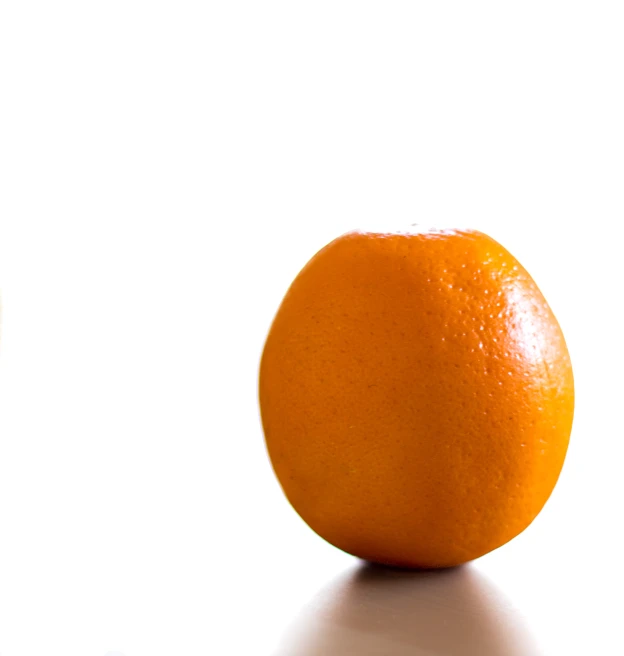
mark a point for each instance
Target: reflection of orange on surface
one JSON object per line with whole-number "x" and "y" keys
{"x": 416, "y": 396}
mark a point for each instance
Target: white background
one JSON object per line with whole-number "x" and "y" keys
{"x": 165, "y": 170}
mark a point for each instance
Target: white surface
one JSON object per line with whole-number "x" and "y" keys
{"x": 165, "y": 170}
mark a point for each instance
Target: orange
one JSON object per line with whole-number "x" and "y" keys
{"x": 416, "y": 395}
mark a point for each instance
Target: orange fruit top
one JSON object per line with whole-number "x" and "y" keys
{"x": 416, "y": 395}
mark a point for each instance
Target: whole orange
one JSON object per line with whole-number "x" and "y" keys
{"x": 416, "y": 396}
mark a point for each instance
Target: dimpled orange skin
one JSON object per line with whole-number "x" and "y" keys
{"x": 416, "y": 395}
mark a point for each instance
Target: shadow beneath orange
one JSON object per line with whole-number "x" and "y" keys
{"x": 376, "y": 611}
